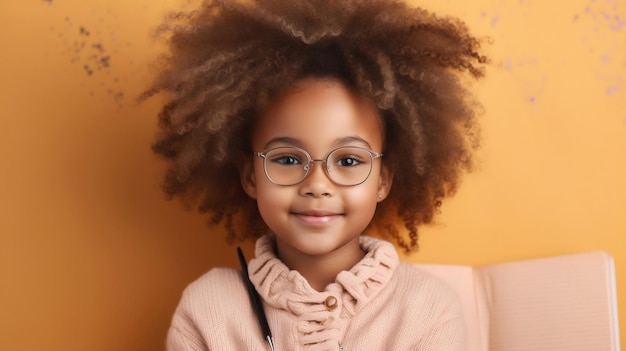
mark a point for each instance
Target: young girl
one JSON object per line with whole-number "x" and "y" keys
{"x": 301, "y": 124}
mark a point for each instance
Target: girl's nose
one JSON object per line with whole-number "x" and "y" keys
{"x": 317, "y": 183}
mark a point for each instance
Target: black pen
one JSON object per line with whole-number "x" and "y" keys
{"x": 256, "y": 300}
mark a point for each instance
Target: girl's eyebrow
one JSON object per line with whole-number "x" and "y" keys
{"x": 338, "y": 142}
{"x": 351, "y": 140}
{"x": 283, "y": 140}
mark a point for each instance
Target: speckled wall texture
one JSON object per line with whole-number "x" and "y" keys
{"x": 93, "y": 258}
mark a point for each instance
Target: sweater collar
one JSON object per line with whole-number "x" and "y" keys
{"x": 289, "y": 290}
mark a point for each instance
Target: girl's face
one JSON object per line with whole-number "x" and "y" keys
{"x": 316, "y": 217}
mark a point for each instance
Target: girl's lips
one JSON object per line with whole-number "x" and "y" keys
{"x": 316, "y": 217}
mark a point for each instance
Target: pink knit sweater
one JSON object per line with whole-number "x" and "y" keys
{"x": 380, "y": 304}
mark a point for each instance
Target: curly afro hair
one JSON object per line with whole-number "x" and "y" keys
{"x": 229, "y": 59}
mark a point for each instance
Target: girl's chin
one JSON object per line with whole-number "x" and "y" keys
{"x": 319, "y": 244}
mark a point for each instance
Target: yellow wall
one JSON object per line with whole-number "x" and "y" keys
{"x": 93, "y": 258}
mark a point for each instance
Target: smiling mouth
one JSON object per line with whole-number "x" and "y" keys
{"x": 316, "y": 217}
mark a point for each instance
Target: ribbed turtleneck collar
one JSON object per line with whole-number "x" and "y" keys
{"x": 289, "y": 290}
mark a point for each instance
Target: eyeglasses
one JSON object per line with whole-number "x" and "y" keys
{"x": 289, "y": 165}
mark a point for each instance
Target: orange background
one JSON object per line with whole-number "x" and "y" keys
{"x": 93, "y": 258}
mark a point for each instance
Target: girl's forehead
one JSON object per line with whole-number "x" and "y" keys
{"x": 318, "y": 114}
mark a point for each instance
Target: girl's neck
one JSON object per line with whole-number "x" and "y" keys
{"x": 321, "y": 270}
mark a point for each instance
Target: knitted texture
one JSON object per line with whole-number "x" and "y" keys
{"x": 379, "y": 304}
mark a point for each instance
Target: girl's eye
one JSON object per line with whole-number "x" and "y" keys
{"x": 286, "y": 160}
{"x": 348, "y": 161}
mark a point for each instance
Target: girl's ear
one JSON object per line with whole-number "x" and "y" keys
{"x": 247, "y": 177}
{"x": 384, "y": 182}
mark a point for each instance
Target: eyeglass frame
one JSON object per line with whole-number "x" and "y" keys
{"x": 307, "y": 167}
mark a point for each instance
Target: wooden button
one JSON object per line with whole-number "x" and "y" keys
{"x": 331, "y": 303}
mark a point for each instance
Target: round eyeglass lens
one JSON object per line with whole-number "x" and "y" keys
{"x": 286, "y": 165}
{"x": 349, "y": 165}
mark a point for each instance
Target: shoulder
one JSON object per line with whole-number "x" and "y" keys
{"x": 217, "y": 285}
{"x": 415, "y": 276}
{"x": 433, "y": 304}
{"x": 422, "y": 310}
{"x": 422, "y": 288}
{"x": 213, "y": 298}
{"x": 216, "y": 277}
{"x": 211, "y": 307}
